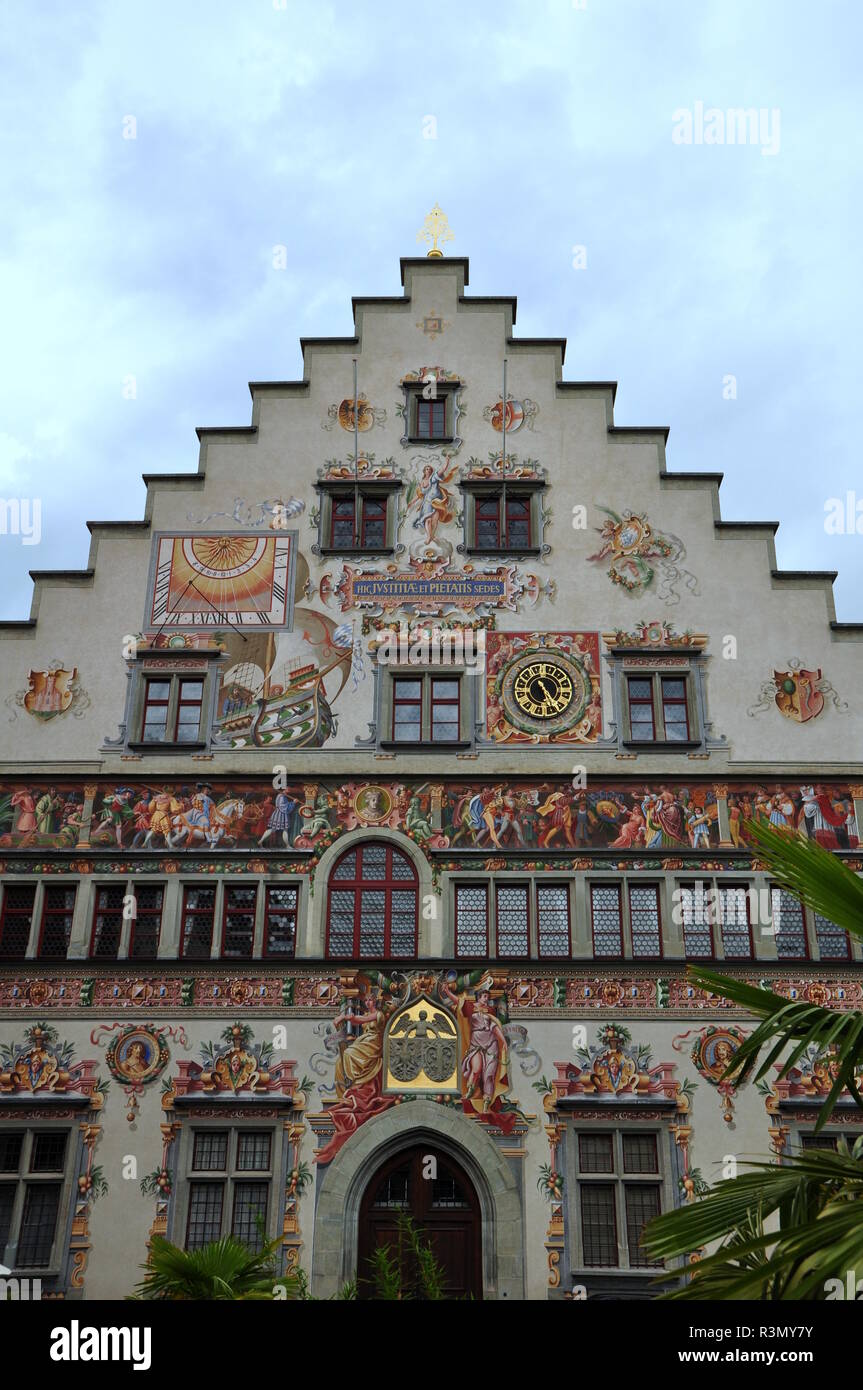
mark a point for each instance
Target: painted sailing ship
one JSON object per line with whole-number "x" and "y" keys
{"x": 256, "y": 710}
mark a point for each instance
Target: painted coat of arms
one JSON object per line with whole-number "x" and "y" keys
{"x": 630, "y": 542}
{"x": 797, "y": 694}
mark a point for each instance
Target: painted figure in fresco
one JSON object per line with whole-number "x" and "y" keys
{"x": 632, "y": 829}
{"x": 484, "y": 1052}
{"x": 558, "y": 808}
{"x": 46, "y": 808}
{"x": 116, "y": 813}
{"x": 697, "y": 822}
{"x": 162, "y": 808}
{"x": 359, "y": 1068}
{"x": 25, "y": 805}
{"x": 319, "y": 822}
{"x": 821, "y": 820}
{"x": 663, "y": 817}
{"x": 283, "y": 819}
{"x": 433, "y": 498}
{"x": 416, "y": 820}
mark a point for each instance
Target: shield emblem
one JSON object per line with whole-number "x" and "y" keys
{"x": 49, "y": 692}
{"x": 514, "y": 416}
{"x": 797, "y": 696}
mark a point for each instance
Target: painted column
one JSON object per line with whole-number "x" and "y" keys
{"x": 90, "y": 793}
{"x": 724, "y": 824}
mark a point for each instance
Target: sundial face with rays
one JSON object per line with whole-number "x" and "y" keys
{"x": 224, "y": 579}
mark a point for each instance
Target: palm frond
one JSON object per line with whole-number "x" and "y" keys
{"x": 789, "y": 1024}
{"x": 811, "y": 873}
{"x": 223, "y": 1269}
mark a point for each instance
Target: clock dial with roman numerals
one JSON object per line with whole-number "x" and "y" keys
{"x": 226, "y": 579}
{"x": 544, "y": 692}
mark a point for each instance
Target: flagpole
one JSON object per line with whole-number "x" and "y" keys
{"x": 356, "y": 460}
{"x": 504, "y": 529}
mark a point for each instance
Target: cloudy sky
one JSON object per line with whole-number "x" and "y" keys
{"x": 303, "y": 124}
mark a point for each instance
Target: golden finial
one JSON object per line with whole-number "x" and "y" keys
{"x": 435, "y": 229}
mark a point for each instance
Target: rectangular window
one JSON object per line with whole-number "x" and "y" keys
{"x": 444, "y": 710}
{"x": 644, "y": 919}
{"x": 789, "y": 925}
{"x": 502, "y": 526}
{"x": 147, "y": 922}
{"x": 238, "y": 929}
{"x": 596, "y": 1153}
{"x": 598, "y": 1224}
{"x": 189, "y": 702}
{"x": 157, "y": 697}
{"x": 833, "y": 942}
{"x": 235, "y": 1199}
{"x": 471, "y": 919}
{"x": 55, "y": 932}
{"x": 107, "y": 921}
{"x": 552, "y": 919}
{"x": 697, "y": 913}
{"x": 199, "y": 910}
{"x": 430, "y": 418}
{"x": 642, "y": 1205}
{"x": 33, "y": 1164}
{"x": 368, "y": 531}
{"x": 615, "y": 1193}
{"x": 280, "y": 920}
{"x": 674, "y": 715}
{"x": 250, "y": 1211}
{"x": 511, "y": 920}
{"x": 253, "y": 1152}
{"x": 641, "y": 723}
{"x": 205, "y": 1214}
{"x": 426, "y": 709}
{"x": 16, "y": 919}
{"x": 606, "y": 919}
{"x": 38, "y": 1224}
{"x": 210, "y": 1152}
{"x": 734, "y": 923}
{"x": 407, "y": 710}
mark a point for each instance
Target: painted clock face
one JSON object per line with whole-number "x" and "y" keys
{"x": 543, "y": 689}
{"x": 544, "y": 693}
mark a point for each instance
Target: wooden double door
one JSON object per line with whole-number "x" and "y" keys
{"x": 430, "y": 1187}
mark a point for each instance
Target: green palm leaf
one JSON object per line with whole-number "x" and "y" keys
{"x": 224, "y": 1269}
{"x": 812, "y": 874}
{"x": 817, "y": 1198}
{"x": 789, "y": 1024}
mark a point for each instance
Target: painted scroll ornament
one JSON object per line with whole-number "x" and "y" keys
{"x": 631, "y": 543}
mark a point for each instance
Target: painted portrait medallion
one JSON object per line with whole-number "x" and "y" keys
{"x": 137, "y": 1056}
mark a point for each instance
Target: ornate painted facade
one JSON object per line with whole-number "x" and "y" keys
{"x": 374, "y": 810}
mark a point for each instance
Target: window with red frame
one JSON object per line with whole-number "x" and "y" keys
{"x": 471, "y": 919}
{"x": 372, "y": 904}
{"x": 431, "y": 419}
{"x": 644, "y": 919}
{"x": 55, "y": 930}
{"x": 512, "y": 928}
{"x": 368, "y": 531}
{"x": 199, "y": 910}
{"x": 641, "y": 724}
{"x": 697, "y": 913}
{"x": 502, "y": 526}
{"x": 407, "y": 710}
{"x": 445, "y": 709}
{"x": 280, "y": 920}
{"x": 238, "y": 921}
{"x": 789, "y": 926}
{"x": 607, "y": 919}
{"x": 16, "y": 919}
{"x": 147, "y": 922}
{"x": 552, "y": 920}
{"x": 189, "y": 700}
{"x": 107, "y": 921}
{"x": 674, "y": 713}
{"x": 734, "y": 924}
{"x": 833, "y": 941}
{"x": 157, "y": 696}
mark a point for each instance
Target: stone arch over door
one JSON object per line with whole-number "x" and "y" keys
{"x": 334, "y": 1257}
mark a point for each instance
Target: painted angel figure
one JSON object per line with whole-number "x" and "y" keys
{"x": 433, "y": 498}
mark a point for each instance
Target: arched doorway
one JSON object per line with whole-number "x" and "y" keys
{"x": 441, "y": 1200}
